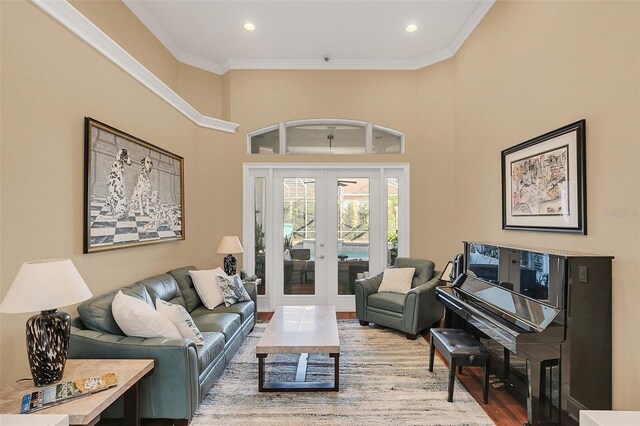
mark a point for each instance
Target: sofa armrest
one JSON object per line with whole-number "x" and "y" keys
{"x": 252, "y": 289}
{"x": 174, "y": 382}
{"x": 364, "y": 288}
{"x": 421, "y": 309}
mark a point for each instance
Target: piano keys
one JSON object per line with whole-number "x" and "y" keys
{"x": 550, "y": 307}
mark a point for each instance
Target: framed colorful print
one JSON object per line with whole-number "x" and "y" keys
{"x": 134, "y": 191}
{"x": 543, "y": 182}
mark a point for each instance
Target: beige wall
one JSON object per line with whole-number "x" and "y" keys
{"x": 51, "y": 80}
{"x": 202, "y": 89}
{"x": 529, "y": 68}
{"x": 417, "y": 103}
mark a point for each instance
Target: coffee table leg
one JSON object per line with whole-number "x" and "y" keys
{"x": 131, "y": 407}
{"x": 301, "y": 372}
{"x": 336, "y": 371}
{"x": 261, "y": 358}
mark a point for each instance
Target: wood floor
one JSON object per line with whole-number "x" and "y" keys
{"x": 502, "y": 408}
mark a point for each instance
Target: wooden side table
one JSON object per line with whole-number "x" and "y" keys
{"x": 86, "y": 410}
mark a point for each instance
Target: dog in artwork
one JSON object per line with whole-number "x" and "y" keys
{"x": 142, "y": 192}
{"x": 116, "y": 201}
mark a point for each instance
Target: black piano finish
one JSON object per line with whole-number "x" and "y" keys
{"x": 550, "y": 307}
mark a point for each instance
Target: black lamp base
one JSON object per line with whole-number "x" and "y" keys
{"x": 48, "y": 345}
{"x": 230, "y": 263}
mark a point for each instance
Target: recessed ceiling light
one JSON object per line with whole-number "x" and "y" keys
{"x": 249, "y": 26}
{"x": 411, "y": 28}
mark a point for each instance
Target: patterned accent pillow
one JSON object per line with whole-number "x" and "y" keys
{"x": 179, "y": 316}
{"x": 232, "y": 290}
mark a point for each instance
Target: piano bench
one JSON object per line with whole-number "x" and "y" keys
{"x": 460, "y": 349}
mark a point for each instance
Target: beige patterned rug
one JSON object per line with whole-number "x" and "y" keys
{"x": 384, "y": 380}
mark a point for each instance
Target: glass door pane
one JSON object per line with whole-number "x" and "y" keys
{"x": 392, "y": 220}
{"x": 353, "y": 231}
{"x": 260, "y": 231}
{"x": 299, "y": 231}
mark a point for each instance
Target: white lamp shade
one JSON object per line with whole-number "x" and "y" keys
{"x": 230, "y": 245}
{"x": 43, "y": 285}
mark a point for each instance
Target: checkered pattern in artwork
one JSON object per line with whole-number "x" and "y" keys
{"x": 106, "y": 229}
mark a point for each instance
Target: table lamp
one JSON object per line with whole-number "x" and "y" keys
{"x": 230, "y": 245}
{"x": 45, "y": 285}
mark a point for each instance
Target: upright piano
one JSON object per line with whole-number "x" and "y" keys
{"x": 552, "y": 308}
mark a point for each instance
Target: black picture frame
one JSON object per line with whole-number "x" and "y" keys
{"x": 544, "y": 182}
{"x": 133, "y": 190}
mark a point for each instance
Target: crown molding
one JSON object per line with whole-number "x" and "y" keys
{"x": 67, "y": 15}
{"x": 481, "y": 10}
{"x": 309, "y": 64}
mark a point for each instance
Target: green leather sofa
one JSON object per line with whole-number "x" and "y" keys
{"x": 183, "y": 372}
{"x": 410, "y": 313}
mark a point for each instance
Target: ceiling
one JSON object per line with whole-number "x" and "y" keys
{"x": 356, "y": 34}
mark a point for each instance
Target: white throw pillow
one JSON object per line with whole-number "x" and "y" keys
{"x": 206, "y": 285}
{"x": 397, "y": 280}
{"x": 179, "y": 316}
{"x": 136, "y": 318}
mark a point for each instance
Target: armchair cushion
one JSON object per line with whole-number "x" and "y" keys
{"x": 393, "y": 302}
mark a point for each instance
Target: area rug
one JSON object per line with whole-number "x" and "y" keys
{"x": 384, "y": 380}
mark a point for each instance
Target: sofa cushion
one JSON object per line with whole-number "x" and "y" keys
{"x": 387, "y": 301}
{"x": 96, "y": 314}
{"x": 163, "y": 287}
{"x": 182, "y": 277}
{"x": 212, "y": 347}
{"x": 225, "y": 323}
{"x": 244, "y": 309}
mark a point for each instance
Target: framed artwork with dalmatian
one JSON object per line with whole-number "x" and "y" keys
{"x": 134, "y": 191}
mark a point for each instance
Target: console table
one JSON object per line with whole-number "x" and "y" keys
{"x": 86, "y": 410}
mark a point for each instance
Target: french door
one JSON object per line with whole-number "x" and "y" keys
{"x": 317, "y": 229}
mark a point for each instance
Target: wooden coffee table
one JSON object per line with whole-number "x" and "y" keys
{"x": 86, "y": 410}
{"x": 303, "y": 330}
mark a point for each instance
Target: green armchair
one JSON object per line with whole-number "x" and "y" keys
{"x": 410, "y": 313}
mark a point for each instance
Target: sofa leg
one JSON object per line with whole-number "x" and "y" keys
{"x": 181, "y": 422}
{"x": 411, "y": 336}
{"x": 364, "y": 323}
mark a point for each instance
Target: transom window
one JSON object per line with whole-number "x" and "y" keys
{"x": 325, "y": 136}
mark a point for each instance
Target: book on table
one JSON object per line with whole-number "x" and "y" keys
{"x": 63, "y": 392}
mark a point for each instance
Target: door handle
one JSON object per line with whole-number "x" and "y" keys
{"x": 320, "y": 257}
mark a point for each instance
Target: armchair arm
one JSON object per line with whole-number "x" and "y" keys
{"x": 175, "y": 378}
{"x": 421, "y": 309}
{"x": 364, "y": 288}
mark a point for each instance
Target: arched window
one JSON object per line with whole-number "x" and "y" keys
{"x": 325, "y": 136}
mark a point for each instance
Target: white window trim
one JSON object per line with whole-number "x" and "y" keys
{"x": 252, "y": 170}
{"x": 283, "y": 125}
